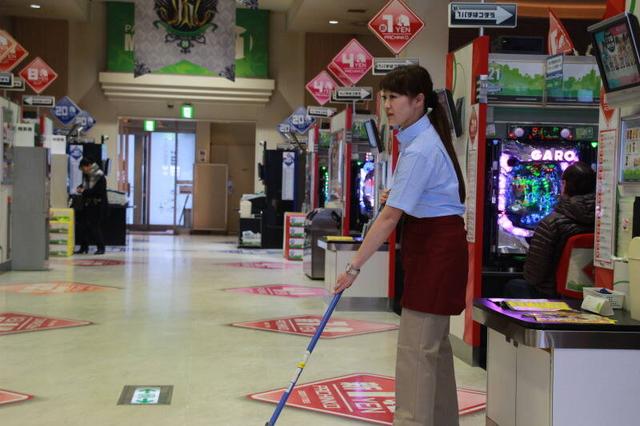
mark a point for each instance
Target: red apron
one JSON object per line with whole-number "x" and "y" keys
{"x": 435, "y": 262}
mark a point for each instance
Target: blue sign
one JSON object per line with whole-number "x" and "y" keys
{"x": 284, "y": 127}
{"x": 85, "y": 120}
{"x": 300, "y": 121}
{"x": 66, "y": 110}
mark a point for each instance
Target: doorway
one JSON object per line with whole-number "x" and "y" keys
{"x": 157, "y": 173}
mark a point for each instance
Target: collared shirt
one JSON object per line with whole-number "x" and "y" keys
{"x": 425, "y": 182}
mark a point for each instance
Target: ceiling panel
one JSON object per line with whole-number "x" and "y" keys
{"x": 72, "y": 10}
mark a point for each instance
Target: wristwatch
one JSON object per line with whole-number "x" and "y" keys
{"x": 352, "y": 271}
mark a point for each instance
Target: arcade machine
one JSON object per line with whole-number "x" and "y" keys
{"x": 353, "y": 188}
{"x": 527, "y": 163}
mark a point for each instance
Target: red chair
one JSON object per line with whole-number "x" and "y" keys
{"x": 575, "y": 268}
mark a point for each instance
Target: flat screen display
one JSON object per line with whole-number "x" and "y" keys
{"x": 617, "y": 52}
{"x": 372, "y": 135}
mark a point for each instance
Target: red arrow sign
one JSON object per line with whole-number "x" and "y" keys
{"x": 353, "y": 60}
{"x": 367, "y": 397}
{"x": 306, "y": 325}
{"x": 396, "y": 25}
{"x": 9, "y": 397}
{"x": 14, "y": 323}
{"x": 38, "y": 75}
{"x": 321, "y": 87}
{"x": 13, "y": 58}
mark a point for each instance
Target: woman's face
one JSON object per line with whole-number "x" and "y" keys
{"x": 402, "y": 110}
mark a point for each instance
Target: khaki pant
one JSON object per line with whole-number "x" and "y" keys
{"x": 425, "y": 382}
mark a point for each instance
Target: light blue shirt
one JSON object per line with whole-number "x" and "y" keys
{"x": 425, "y": 182}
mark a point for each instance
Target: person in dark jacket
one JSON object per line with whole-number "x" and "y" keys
{"x": 574, "y": 214}
{"x": 93, "y": 204}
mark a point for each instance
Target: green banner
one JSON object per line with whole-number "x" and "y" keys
{"x": 252, "y": 43}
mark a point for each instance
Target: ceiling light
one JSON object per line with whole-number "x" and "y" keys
{"x": 333, "y": 22}
{"x": 35, "y": 6}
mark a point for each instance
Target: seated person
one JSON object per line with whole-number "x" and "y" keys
{"x": 574, "y": 214}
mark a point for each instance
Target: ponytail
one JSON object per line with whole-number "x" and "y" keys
{"x": 439, "y": 120}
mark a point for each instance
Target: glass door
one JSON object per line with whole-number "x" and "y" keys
{"x": 158, "y": 168}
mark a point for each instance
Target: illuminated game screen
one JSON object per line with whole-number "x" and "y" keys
{"x": 529, "y": 184}
{"x": 366, "y": 188}
{"x": 532, "y": 191}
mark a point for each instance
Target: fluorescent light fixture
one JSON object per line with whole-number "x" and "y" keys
{"x": 34, "y": 6}
{"x": 333, "y": 22}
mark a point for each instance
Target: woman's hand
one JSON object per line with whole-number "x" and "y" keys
{"x": 384, "y": 196}
{"x": 343, "y": 282}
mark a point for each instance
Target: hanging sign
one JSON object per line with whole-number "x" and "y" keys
{"x": 284, "y": 127}
{"x": 300, "y": 121}
{"x": 66, "y": 110}
{"x": 352, "y": 94}
{"x": 6, "y": 80}
{"x": 320, "y": 112}
{"x": 7, "y": 43}
{"x": 18, "y": 85}
{"x": 339, "y": 74}
{"x": 38, "y": 75}
{"x": 13, "y": 58}
{"x": 38, "y": 101}
{"x": 382, "y": 66}
{"x": 321, "y": 87}
{"x": 396, "y": 25}
{"x": 476, "y": 15}
{"x": 354, "y": 61}
{"x": 85, "y": 120}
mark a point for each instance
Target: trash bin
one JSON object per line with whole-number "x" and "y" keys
{"x": 634, "y": 278}
{"x": 318, "y": 223}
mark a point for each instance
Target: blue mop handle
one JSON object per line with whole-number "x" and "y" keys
{"x": 303, "y": 363}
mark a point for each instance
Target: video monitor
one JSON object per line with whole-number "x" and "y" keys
{"x": 616, "y": 44}
{"x": 446, "y": 100}
{"x": 373, "y": 136}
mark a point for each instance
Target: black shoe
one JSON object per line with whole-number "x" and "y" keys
{"x": 99, "y": 251}
{"x": 82, "y": 250}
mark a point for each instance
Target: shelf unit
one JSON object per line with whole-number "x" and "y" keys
{"x": 61, "y": 232}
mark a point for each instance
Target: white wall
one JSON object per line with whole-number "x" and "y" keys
{"x": 87, "y": 58}
{"x": 431, "y": 45}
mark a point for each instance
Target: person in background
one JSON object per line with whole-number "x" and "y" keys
{"x": 428, "y": 193}
{"x": 93, "y": 203}
{"x": 574, "y": 214}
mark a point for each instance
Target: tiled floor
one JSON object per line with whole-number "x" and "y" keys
{"x": 166, "y": 322}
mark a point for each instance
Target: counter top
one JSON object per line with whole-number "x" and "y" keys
{"x": 625, "y": 334}
{"x": 346, "y": 245}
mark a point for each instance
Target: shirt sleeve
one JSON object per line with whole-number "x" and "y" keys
{"x": 410, "y": 180}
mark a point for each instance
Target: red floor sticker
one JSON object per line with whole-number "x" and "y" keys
{"x": 283, "y": 290}
{"x": 306, "y": 325}
{"x": 15, "y": 322}
{"x": 264, "y": 265}
{"x": 96, "y": 262}
{"x": 53, "y": 287}
{"x": 367, "y": 397}
{"x": 8, "y": 397}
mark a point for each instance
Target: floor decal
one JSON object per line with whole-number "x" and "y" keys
{"x": 264, "y": 265}
{"x": 16, "y": 322}
{"x": 283, "y": 290}
{"x": 53, "y": 287}
{"x": 367, "y": 397}
{"x": 306, "y": 325}
{"x": 9, "y": 397}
